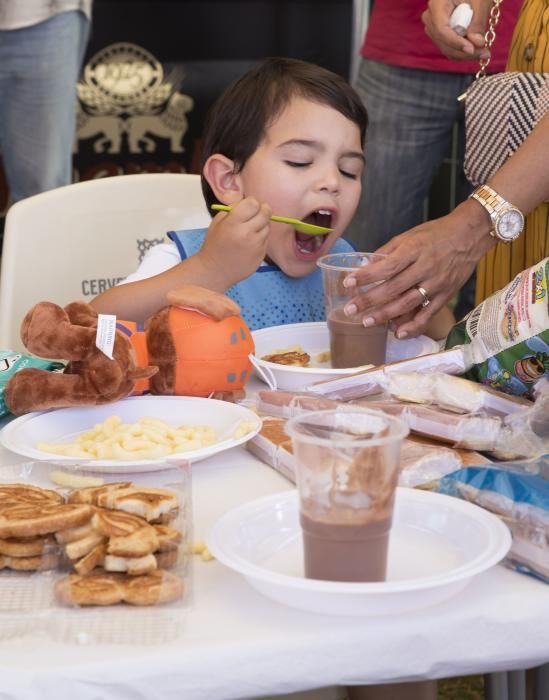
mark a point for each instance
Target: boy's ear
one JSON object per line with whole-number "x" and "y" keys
{"x": 225, "y": 183}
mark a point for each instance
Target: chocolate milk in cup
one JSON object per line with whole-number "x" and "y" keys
{"x": 351, "y": 343}
{"x": 347, "y": 463}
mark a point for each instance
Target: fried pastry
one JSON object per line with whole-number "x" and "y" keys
{"x": 109, "y": 589}
{"x": 116, "y": 523}
{"x": 166, "y": 560}
{"x": 93, "y": 558}
{"x": 165, "y": 518}
{"x": 26, "y": 493}
{"x": 96, "y": 589}
{"x": 27, "y": 546}
{"x": 168, "y": 538}
{"x": 140, "y": 543}
{"x": 149, "y": 503}
{"x": 294, "y": 358}
{"x": 31, "y": 519}
{"x": 91, "y": 494}
{"x": 79, "y": 548}
{"x": 159, "y": 587}
{"x": 43, "y": 562}
{"x": 71, "y": 534}
{"x": 133, "y": 566}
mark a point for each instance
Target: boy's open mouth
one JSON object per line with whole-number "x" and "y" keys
{"x": 306, "y": 244}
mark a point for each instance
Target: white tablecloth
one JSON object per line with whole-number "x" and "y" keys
{"x": 235, "y": 643}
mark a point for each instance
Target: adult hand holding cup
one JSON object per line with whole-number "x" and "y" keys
{"x": 351, "y": 343}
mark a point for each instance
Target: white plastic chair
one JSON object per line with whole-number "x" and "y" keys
{"x": 76, "y": 241}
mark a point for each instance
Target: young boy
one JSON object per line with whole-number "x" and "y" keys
{"x": 286, "y": 138}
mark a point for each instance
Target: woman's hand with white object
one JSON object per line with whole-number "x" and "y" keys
{"x": 436, "y": 19}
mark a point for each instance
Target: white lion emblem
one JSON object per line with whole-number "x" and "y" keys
{"x": 170, "y": 124}
{"x": 107, "y": 128}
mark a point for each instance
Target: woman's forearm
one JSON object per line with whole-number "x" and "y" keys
{"x": 524, "y": 179}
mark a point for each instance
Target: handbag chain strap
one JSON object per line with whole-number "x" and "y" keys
{"x": 489, "y": 37}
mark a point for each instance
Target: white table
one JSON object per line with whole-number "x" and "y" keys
{"x": 236, "y": 643}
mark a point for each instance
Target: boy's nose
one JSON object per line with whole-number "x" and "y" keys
{"x": 329, "y": 182}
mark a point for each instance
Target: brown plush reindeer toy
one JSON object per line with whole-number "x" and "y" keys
{"x": 199, "y": 346}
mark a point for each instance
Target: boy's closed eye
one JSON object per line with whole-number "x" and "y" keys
{"x": 351, "y": 176}
{"x": 345, "y": 173}
{"x": 351, "y": 166}
{"x": 296, "y": 164}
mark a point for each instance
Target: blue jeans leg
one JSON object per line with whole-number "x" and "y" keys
{"x": 39, "y": 68}
{"x": 411, "y": 116}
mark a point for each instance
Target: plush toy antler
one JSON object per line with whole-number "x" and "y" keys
{"x": 197, "y": 350}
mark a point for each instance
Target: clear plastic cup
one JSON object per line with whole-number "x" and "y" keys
{"x": 347, "y": 462}
{"x": 351, "y": 343}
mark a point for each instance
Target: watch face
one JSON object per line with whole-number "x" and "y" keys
{"x": 510, "y": 224}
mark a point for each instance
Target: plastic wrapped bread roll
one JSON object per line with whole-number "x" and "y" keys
{"x": 524, "y": 432}
{"x": 423, "y": 464}
{"x": 527, "y": 433}
{"x": 373, "y": 381}
{"x": 452, "y": 393}
{"x": 420, "y": 463}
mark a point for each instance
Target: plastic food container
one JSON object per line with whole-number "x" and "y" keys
{"x": 146, "y": 529}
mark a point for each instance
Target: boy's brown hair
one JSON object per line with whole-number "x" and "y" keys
{"x": 239, "y": 118}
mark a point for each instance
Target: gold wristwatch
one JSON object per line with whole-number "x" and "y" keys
{"x": 507, "y": 220}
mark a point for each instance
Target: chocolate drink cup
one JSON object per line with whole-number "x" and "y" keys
{"x": 351, "y": 343}
{"x": 334, "y": 552}
{"x": 346, "y": 470}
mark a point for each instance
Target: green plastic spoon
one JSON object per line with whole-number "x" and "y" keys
{"x": 300, "y": 226}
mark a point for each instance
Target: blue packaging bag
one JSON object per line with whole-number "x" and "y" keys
{"x": 518, "y": 493}
{"x": 11, "y": 362}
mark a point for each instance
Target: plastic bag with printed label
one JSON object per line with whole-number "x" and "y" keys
{"x": 11, "y": 362}
{"x": 506, "y": 338}
{"x": 517, "y": 492}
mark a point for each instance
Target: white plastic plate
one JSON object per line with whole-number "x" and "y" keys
{"x": 314, "y": 338}
{"x": 438, "y": 543}
{"x": 63, "y": 425}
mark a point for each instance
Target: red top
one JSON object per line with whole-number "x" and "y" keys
{"x": 396, "y": 36}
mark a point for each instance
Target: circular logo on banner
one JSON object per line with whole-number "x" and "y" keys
{"x": 123, "y": 73}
